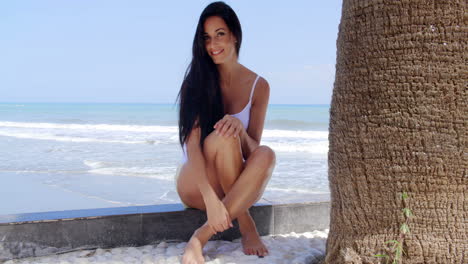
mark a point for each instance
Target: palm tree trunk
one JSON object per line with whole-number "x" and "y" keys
{"x": 399, "y": 123}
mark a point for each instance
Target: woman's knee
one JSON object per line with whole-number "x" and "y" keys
{"x": 214, "y": 141}
{"x": 265, "y": 156}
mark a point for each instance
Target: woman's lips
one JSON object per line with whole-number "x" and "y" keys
{"x": 217, "y": 53}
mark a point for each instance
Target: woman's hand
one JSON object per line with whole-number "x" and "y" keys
{"x": 218, "y": 217}
{"x": 229, "y": 126}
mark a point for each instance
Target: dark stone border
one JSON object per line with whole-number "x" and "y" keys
{"x": 40, "y": 234}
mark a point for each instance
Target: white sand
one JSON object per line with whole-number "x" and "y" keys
{"x": 284, "y": 249}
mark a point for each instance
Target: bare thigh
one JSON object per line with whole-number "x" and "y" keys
{"x": 187, "y": 187}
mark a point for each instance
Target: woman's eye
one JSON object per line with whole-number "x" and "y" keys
{"x": 221, "y": 34}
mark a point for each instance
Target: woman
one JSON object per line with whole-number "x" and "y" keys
{"x": 221, "y": 116}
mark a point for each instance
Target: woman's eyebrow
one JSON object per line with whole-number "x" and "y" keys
{"x": 215, "y": 31}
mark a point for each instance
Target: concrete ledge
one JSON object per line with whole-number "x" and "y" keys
{"x": 40, "y": 234}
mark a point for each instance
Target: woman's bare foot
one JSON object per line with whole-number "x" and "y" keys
{"x": 251, "y": 241}
{"x": 194, "y": 250}
{"x": 253, "y": 245}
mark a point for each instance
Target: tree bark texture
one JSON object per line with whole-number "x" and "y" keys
{"x": 399, "y": 123}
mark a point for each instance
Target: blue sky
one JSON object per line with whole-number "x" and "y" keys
{"x": 138, "y": 51}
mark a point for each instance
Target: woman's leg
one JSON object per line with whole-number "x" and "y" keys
{"x": 187, "y": 187}
{"x": 262, "y": 159}
{"x": 226, "y": 154}
{"x": 191, "y": 196}
{"x": 246, "y": 189}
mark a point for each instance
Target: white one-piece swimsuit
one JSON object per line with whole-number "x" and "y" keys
{"x": 243, "y": 116}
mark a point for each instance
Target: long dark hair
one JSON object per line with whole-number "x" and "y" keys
{"x": 200, "y": 93}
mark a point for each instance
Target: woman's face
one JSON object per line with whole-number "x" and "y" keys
{"x": 219, "y": 41}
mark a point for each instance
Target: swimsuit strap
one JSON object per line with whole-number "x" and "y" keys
{"x": 253, "y": 88}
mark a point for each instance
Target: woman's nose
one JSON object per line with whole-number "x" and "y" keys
{"x": 214, "y": 42}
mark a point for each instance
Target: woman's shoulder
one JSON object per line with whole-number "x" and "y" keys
{"x": 251, "y": 75}
{"x": 261, "y": 93}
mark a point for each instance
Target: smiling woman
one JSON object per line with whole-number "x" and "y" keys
{"x": 217, "y": 40}
{"x": 224, "y": 169}
{"x": 94, "y": 126}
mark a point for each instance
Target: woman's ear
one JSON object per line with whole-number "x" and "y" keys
{"x": 234, "y": 37}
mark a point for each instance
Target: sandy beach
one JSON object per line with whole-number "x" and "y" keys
{"x": 292, "y": 248}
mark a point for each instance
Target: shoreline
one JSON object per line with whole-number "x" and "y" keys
{"x": 34, "y": 192}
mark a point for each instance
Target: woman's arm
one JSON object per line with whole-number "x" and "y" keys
{"x": 197, "y": 161}
{"x": 250, "y": 138}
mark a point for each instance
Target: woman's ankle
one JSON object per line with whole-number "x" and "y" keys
{"x": 246, "y": 224}
{"x": 204, "y": 233}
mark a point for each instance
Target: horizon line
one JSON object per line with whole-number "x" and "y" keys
{"x": 132, "y": 103}
{"x": 166, "y": 103}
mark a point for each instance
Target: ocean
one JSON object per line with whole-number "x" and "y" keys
{"x": 61, "y": 156}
